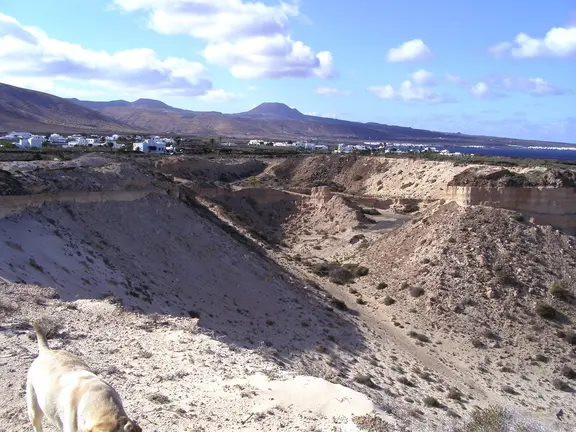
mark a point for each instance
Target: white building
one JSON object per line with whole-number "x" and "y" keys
{"x": 150, "y": 146}
{"x": 56, "y": 139}
{"x": 78, "y": 141}
{"x": 32, "y": 142}
{"x": 256, "y": 142}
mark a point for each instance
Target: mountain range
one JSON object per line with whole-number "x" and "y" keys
{"x": 33, "y": 111}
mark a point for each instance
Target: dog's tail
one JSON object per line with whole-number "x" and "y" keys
{"x": 41, "y": 337}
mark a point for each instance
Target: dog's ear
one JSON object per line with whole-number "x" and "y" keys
{"x": 131, "y": 427}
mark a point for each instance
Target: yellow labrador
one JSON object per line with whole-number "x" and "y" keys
{"x": 61, "y": 387}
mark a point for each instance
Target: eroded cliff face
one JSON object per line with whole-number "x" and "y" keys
{"x": 545, "y": 197}
{"x": 540, "y": 205}
{"x": 89, "y": 179}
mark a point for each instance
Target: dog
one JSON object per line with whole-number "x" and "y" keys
{"x": 62, "y": 387}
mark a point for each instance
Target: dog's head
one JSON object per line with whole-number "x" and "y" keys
{"x": 123, "y": 424}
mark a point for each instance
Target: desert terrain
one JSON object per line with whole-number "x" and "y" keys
{"x": 314, "y": 293}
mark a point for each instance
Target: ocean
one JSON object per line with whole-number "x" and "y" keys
{"x": 518, "y": 152}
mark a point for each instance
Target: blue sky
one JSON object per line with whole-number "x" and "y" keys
{"x": 494, "y": 68}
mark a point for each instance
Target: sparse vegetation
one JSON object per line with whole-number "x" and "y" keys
{"x": 518, "y": 217}
{"x": 339, "y": 304}
{"x": 546, "y": 311}
{"x": 159, "y": 398}
{"x": 365, "y": 380}
{"x": 489, "y": 334}
{"x": 432, "y": 402}
{"x": 371, "y": 211}
{"x": 508, "y": 389}
{"x": 454, "y": 394}
{"x": 568, "y": 372}
{"x": 340, "y": 276}
{"x": 417, "y": 292}
{"x": 477, "y": 343}
{"x": 561, "y": 385}
{"x": 405, "y": 381}
{"x": 418, "y": 336}
{"x": 387, "y": 301}
{"x": 32, "y": 262}
{"x": 558, "y": 291}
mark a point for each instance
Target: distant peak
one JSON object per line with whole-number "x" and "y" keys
{"x": 152, "y": 103}
{"x": 275, "y": 109}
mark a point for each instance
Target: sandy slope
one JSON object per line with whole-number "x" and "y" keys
{"x": 172, "y": 377}
{"x": 260, "y": 309}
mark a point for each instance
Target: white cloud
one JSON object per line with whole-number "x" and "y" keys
{"x": 423, "y": 78}
{"x": 219, "y": 95}
{"x": 412, "y": 50}
{"x": 532, "y": 86}
{"x": 483, "y": 91}
{"x": 29, "y": 54}
{"x": 269, "y": 57}
{"x": 249, "y": 38}
{"x": 411, "y": 90}
{"x": 558, "y": 42}
{"x": 332, "y": 91}
{"x": 480, "y": 89}
{"x": 252, "y": 88}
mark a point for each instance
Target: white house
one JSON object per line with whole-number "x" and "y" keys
{"x": 56, "y": 139}
{"x": 32, "y": 142}
{"x": 16, "y": 136}
{"x": 256, "y": 142}
{"x": 150, "y": 146}
{"x": 20, "y": 135}
{"x": 78, "y": 141}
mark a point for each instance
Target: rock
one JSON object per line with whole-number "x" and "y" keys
{"x": 491, "y": 293}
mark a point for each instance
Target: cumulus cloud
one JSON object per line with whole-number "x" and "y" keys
{"x": 415, "y": 89}
{"x": 413, "y": 50}
{"x": 219, "y": 95}
{"x": 423, "y": 78}
{"x": 251, "y": 39}
{"x": 275, "y": 56}
{"x": 558, "y": 42}
{"x": 332, "y": 91}
{"x": 28, "y": 54}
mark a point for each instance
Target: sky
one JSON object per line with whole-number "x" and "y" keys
{"x": 505, "y": 68}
